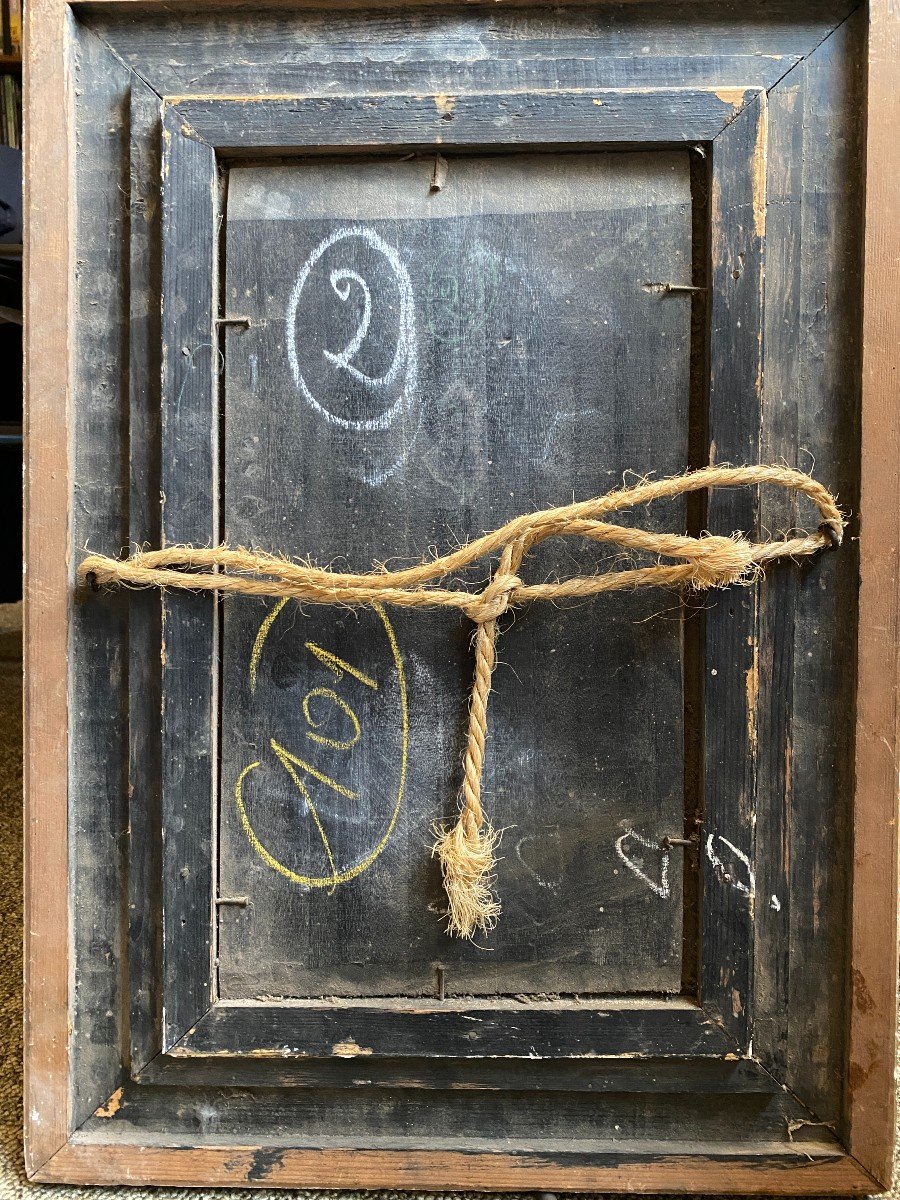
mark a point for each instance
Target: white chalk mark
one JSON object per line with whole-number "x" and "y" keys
{"x": 539, "y": 879}
{"x": 775, "y": 904}
{"x": 405, "y": 356}
{"x": 748, "y": 888}
{"x": 661, "y": 888}
{"x": 340, "y": 282}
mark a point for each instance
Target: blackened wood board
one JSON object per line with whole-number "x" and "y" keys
{"x": 420, "y": 366}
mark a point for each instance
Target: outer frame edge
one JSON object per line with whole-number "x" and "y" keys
{"x": 48, "y": 247}
{"x": 874, "y": 925}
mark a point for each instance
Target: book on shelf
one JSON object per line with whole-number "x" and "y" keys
{"x": 10, "y": 111}
{"x": 15, "y": 26}
{"x": 11, "y": 26}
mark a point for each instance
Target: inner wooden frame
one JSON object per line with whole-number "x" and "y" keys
{"x": 53, "y": 1153}
{"x": 197, "y": 134}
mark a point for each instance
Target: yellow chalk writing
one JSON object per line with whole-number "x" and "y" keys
{"x": 333, "y": 698}
{"x": 287, "y": 763}
{"x": 256, "y": 653}
{"x": 292, "y": 762}
{"x": 305, "y": 766}
{"x": 339, "y": 666}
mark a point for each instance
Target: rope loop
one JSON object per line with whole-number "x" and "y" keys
{"x": 466, "y": 848}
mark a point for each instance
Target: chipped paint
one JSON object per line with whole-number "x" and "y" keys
{"x": 112, "y": 1106}
{"x": 735, "y": 96}
{"x": 752, "y": 688}
{"x": 445, "y": 105}
{"x": 349, "y": 1049}
{"x": 758, "y": 169}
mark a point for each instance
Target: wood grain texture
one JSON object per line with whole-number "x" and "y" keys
{"x": 98, "y": 624}
{"x": 875, "y": 856}
{"x": 493, "y": 1027}
{"x": 779, "y": 439}
{"x": 827, "y": 416}
{"x": 47, "y": 580}
{"x": 810, "y": 413}
{"x": 145, "y": 823}
{"x": 471, "y": 1119}
{"x": 188, "y": 479}
{"x": 517, "y": 264}
{"x": 737, "y": 216}
{"x": 551, "y": 118}
{"x": 817, "y": 295}
{"x": 470, "y": 48}
{"x": 787, "y": 1171}
{"x": 700, "y": 10}
{"x": 663, "y": 1076}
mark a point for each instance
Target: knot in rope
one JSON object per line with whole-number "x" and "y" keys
{"x": 466, "y": 847}
{"x": 723, "y": 561}
{"x": 495, "y": 599}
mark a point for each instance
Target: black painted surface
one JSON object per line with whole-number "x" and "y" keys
{"x": 519, "y": 360}
{"x": 505, "y": 1028}
{"x": 188, "y": 437}
{"x": 731, "y": 679}
{"x": 145, "y": 819}
{"x": 810, "y": 403}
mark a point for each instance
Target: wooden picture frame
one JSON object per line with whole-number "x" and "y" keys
{"x": 181, "y": 1036}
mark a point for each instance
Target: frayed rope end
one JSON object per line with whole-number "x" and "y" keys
{"x": 467, "y": 863}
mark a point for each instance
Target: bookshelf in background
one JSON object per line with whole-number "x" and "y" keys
{"x": 11, "y": 73}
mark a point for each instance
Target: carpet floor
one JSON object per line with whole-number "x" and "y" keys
{"x": 13, "y": 1183}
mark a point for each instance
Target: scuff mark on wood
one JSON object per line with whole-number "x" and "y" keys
{"x": 112, "y": 1106}
{"x": 349, "y": 1049}
{"x": 445, "y": 105}
{"x": 734, "y": 96}
{"x": 263, "y": 1163}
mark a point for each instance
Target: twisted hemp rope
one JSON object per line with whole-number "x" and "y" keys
{"x": 466, "y": 848}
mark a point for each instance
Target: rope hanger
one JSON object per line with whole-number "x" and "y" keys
{"x": 466, "y": 847}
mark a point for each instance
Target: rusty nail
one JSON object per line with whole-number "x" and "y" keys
{"x": 829, "y": 531}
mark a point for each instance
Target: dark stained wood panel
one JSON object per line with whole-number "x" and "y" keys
{"x": 461, "y": 50}
{"x": 521, "y": 355}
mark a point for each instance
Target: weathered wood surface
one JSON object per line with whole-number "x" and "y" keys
{"x": 551, "y": 118}
{"x": 873, "y": 1014}
{"x": 810, "y": 1168}
{"x": 808, "y": 617}
{"x": 145, "y": 819}
{"x": 730, "y": 678}
{"x": 470, "y": 1118}
{"x": 97, "y": 819}
{"x": 809, "y": 402}
{"x": 623, "y": 45}
{"x": 532, "y": 363}
{"x": 47, "y": 159}
{"x": 492, "y": 1027}
{"x": 188, "y": 466}
{"x": 706, "y": 1076}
